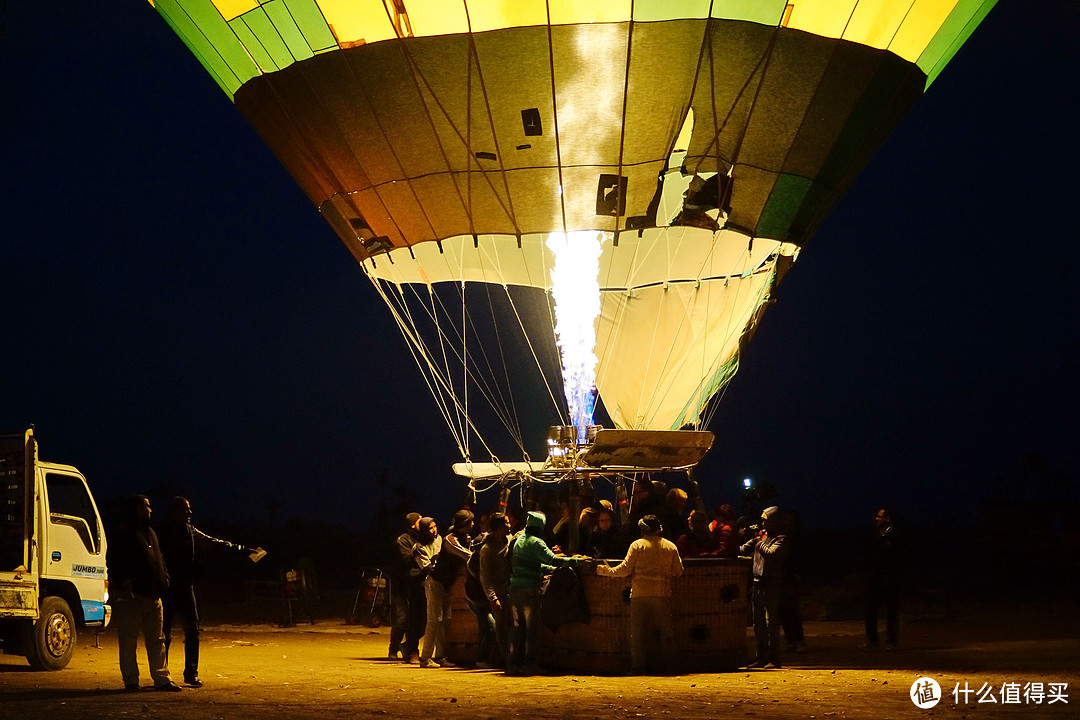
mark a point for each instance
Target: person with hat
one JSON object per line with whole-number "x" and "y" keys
{"x": 454, "y": 552}
{"x": 769, "y": 551}
{"x": 650, "y": 563}
{"x": 530, "y": 560}
{"x": 408, "y": 604}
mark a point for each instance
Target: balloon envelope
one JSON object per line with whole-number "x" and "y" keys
{"x": 443, "y": 140}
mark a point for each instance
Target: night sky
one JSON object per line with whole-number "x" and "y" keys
{"x": 178, "y": 318}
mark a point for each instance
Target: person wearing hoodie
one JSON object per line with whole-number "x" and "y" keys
{"x": 769, "y": 553}
{"x": 453, "y": 553}
{"x": 425, "y": 554}
{"x": 650, "y": 563}
{"x": 531, "y": 559}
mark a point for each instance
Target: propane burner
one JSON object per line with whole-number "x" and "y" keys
{"x": 566, "y": 442}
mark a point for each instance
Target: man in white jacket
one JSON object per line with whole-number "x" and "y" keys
{"x": 650, "y": 563}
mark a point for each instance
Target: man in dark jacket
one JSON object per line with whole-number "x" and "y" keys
{"x": 882, "y": 581}
{"x": 179, "y": 539}
{"x": 137, "y": 580}
{"x": 406, "y": 595}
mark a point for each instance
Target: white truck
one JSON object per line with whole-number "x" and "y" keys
{"x": 52, "y": 556}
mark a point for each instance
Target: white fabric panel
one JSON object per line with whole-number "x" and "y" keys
{"x": 658, "y": 347}
{"x": 658, "y": 256}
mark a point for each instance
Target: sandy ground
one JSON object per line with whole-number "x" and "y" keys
{"x": 332, "y": 670}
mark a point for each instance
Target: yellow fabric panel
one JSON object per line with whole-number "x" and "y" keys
{"x": 825, "y": 19}
{"x": 495, "y": 14}
{"x": 566, "y": 12}
{"x": 437, "y": 17}
{"x": 353, "y": 21}
{"x": 905, "y": 27}
{"x": 230, "y": 9}
{"x": 874, "y": 23}
{"x": 920, "y": 26}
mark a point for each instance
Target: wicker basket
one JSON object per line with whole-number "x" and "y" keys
{"x": 709, "y": 607}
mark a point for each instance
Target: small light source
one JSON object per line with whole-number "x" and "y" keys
{"x": 747, "y": 482}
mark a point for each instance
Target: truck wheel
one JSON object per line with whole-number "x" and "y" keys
{"x": 52, "y": 637}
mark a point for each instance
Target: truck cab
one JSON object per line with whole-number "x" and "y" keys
{"x": 52, "y": 555}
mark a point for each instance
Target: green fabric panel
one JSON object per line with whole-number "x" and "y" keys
{"x": 212, "y": 40}
{"x": 784, "y": 202}
{"x": 647, "y": 10}
{"x": 766, "y": 12}
{"x": 309, "y": 19}
{"x": 255, "y": 48}
{"x": 953, "y": 33}
{"x": 209, "y": 67}
{"x": 691, "y": 412}
{"x": 286, "y": 28}
{"x": 267, "y": 35}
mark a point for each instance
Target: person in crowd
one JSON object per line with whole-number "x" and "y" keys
{"x": 407, "y": 599}
{"x": 723, "y": 529}
{"x": 698, "y": 540}
{"x": 672, "y": 513}
{"x": 180, "y": 541}
{"x": 790, "y": 612}
{"x": 425, "y": 554}
{"x": 530, "y": 559}
{"x": 477, "y": 599}
{"x": 515, "y": 520}
{"x": 650, "y": 563}
{"x": 604, "y": 540}
{"x": 495, "y": 579}
{"x": 137, "y": 580}
{"x": 454, "y": 552}
{"x": 585, "y": 525}
{"x": 769, "y": 551}
{"x": 882, "y": 581}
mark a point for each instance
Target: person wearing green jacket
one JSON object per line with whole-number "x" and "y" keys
{"x": 531, "y": 559}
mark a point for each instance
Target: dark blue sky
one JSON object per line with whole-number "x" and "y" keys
{"x": 178, "y": 316}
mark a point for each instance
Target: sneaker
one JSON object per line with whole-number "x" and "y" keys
{"x": 443, "y": 662}
{"x": 756, "y": 665}
{"x": 412, "y": 659}
{"x": 168, "y": 687}
{"x": 772, "y": 666}
{"x": 428, "y": 663}
{"x": 193, "y": 682}
{"x": 889, "y": 647}
{"x": 132, "y": 687}
{"x": 868, "y": 646}
{"x": 484, "y": 666}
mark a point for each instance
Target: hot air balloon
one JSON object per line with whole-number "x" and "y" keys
{"x": 556, "y": 196}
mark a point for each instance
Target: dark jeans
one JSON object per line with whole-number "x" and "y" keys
{"x": 181, "y": 601}
{"x": 399, "y": 613}
{"x": 417, "y": 617}
{"x": 765, "y": 603}
{"x": 524, "y": 627}
{"x": 876, "y": 596}
{"x": 791, "y": 615}
{"x": 485, "y": 623}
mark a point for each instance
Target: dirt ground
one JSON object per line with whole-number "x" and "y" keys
{"x": 332, "y": 670}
